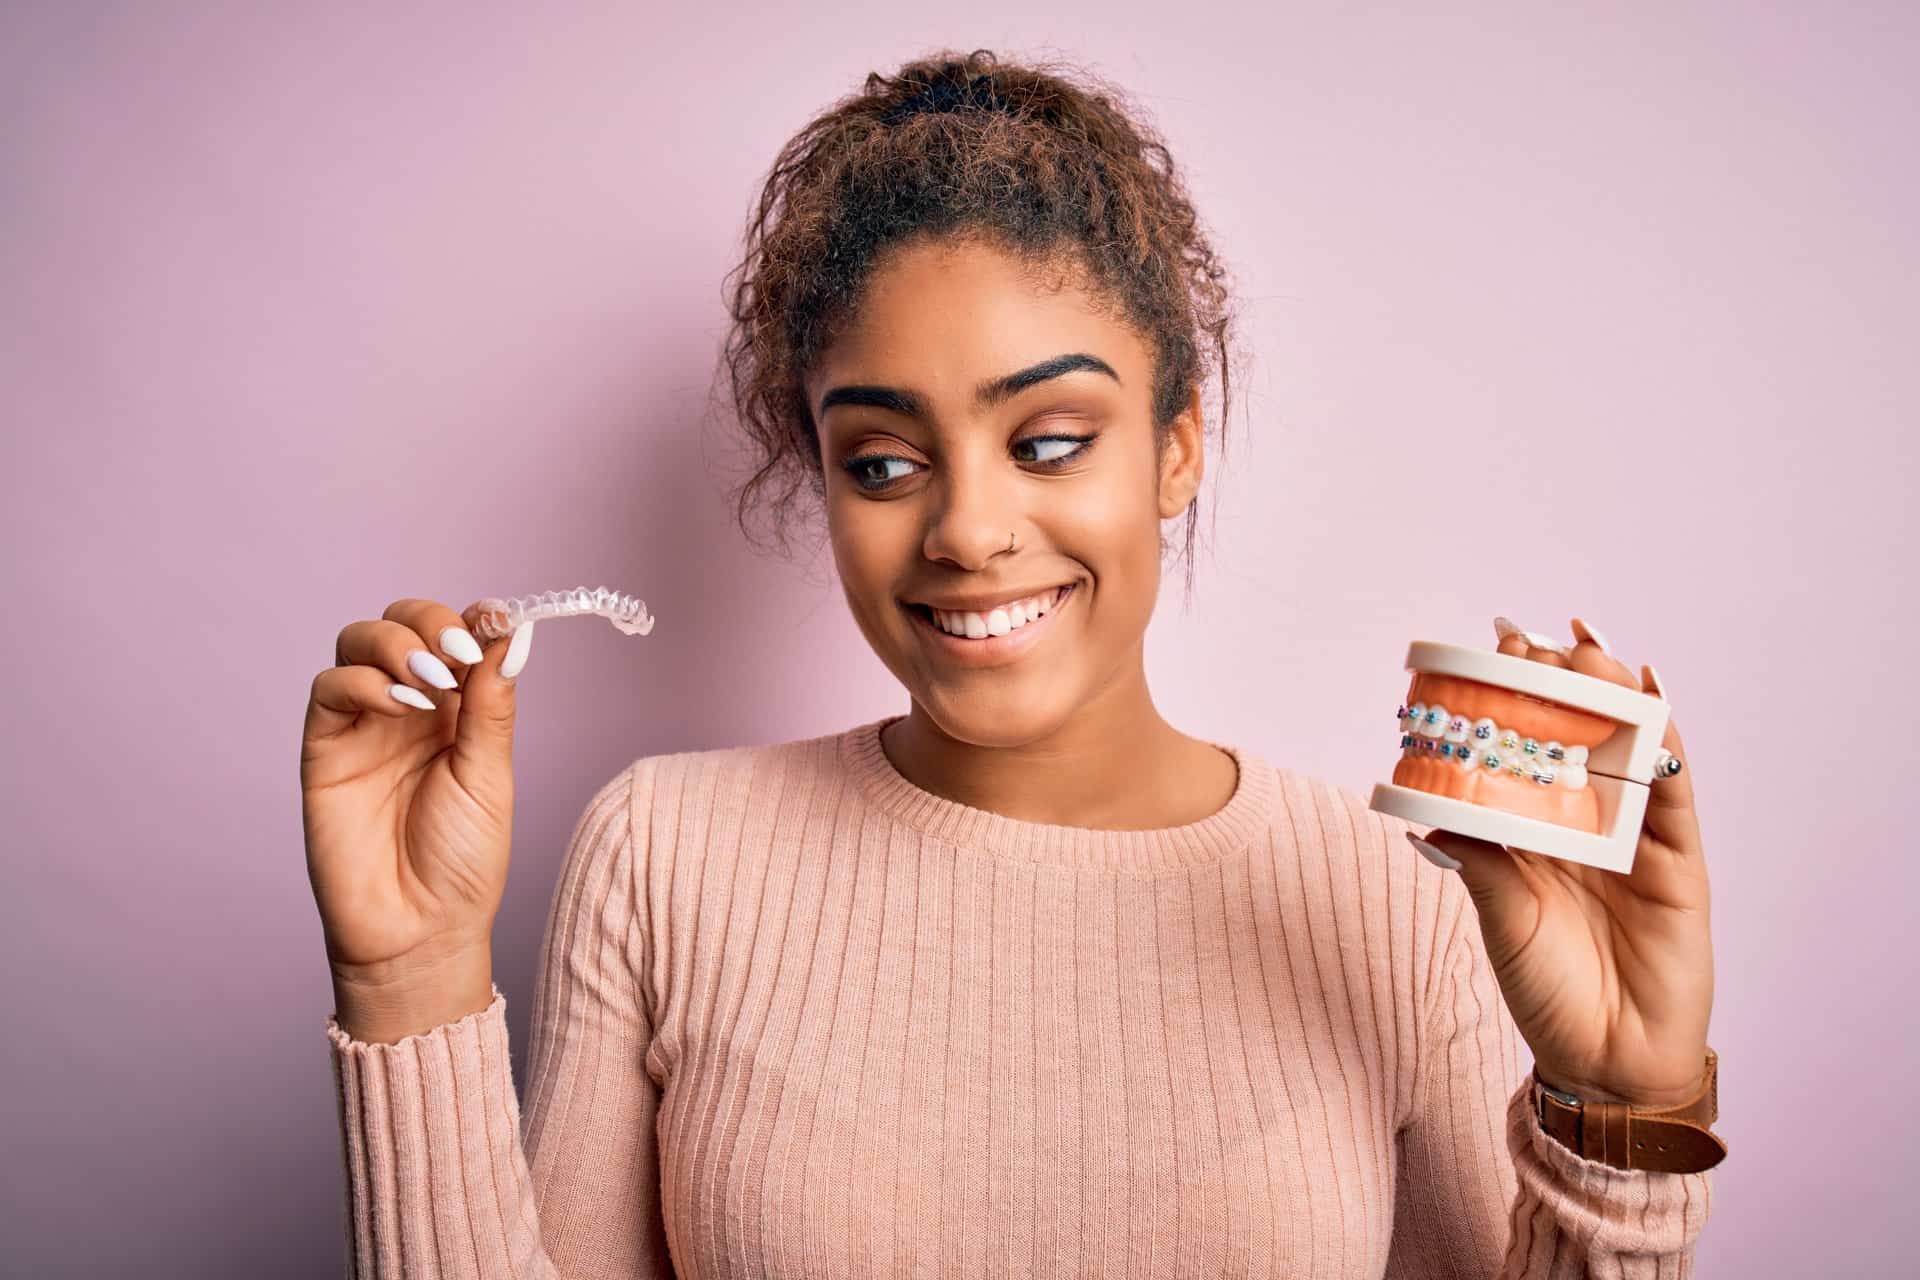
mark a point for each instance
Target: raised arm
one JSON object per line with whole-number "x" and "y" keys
{"x": 1484, "y": 1191}
{"x": 445, "y": 1174}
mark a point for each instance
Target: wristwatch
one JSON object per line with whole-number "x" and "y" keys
{"x": 1665, "y": 1140}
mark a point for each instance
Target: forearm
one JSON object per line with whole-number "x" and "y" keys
{"x": 437, "y": 1175}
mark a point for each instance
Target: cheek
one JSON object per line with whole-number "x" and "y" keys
{"x": 869, "y": 541}
{"x": 1114, "y": 530}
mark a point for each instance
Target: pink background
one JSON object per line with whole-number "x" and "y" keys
{"x": 1608, "y": 312}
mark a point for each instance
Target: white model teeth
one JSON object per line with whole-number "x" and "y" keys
{"x": 998, "y": 621}
{"x": 1481, "y": 745}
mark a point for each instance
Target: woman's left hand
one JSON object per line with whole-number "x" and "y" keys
{"x": 1609, "y": 976}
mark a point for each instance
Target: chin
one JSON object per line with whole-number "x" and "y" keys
{"x": 983, "y": 718}
{"x": 1495, "y": 747}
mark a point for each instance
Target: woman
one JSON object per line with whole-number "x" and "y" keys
{"x": 1024, "y": 980}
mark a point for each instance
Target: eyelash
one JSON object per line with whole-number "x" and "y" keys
{"x": 853, "y": 465}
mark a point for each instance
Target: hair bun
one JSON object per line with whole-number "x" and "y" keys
{"x": 979, "y": 93}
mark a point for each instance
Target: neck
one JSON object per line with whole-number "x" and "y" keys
{"x": 1115, "y": 763}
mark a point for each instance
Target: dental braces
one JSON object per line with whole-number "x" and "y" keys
{"x": 498, "y": 617}
{"x": 1482, "y": 744}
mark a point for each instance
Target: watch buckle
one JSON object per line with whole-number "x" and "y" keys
{"x": 1559, "y": 1095}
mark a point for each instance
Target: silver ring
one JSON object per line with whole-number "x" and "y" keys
{"x": 1665, "y": 763}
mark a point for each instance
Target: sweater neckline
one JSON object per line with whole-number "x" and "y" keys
{"x": 1222, "y": 833}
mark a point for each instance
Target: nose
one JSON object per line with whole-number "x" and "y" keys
{"x": 972, "y": 519}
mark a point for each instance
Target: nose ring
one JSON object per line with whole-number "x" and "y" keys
{"x": 1009, "y": 540}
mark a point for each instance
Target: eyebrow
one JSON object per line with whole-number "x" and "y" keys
{"x": 991, "y": 392}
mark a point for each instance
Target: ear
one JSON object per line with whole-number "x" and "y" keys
{"x": 1182, "y": 459}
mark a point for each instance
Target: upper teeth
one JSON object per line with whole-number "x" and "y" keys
{"x": 996, "y": 622}
{"x": 1483, "y": 745}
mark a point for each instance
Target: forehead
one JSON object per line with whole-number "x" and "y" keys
{"x": 941, "y": 318}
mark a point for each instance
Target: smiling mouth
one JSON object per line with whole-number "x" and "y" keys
{"x": 1007, "y": 619}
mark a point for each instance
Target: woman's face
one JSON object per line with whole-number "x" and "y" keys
{"x": 968, "y": 406}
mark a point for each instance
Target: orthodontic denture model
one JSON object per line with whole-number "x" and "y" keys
{"x": 1524, "y": 754}
{"x": 1492, "y": 746}
{"x": 494, "y": 617}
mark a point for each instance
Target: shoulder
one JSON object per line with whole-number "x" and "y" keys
{"x": 665, "y": 812}
{"x": 1359, "y": 862}
{"x": 667, "y": 791}
{"x": 1320, "y": 816}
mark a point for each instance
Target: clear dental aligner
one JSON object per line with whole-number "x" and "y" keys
{"x": 499, "y": 617}
{"x": 1483, "y": 745}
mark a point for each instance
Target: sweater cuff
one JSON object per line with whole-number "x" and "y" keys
{"x": 430, "y": 1132}
{"x": 1613, "y": 1211}
{"x": 365, "y": 1049}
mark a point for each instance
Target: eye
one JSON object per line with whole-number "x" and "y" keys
{"x": 1080, "y": 443}
{"x": 862, "y": 470}
{"x": 869, "y": 470}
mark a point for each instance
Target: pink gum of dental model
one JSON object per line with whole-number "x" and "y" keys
{"x": 1565, "y": 768}
{"x": 494, "y": 617}
{"x": 1535, "y": 718}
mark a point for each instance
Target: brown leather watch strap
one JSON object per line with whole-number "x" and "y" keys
{"x": 1665, "y": 1140}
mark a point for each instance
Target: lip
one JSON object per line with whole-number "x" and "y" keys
{"x": 989, "y": 651}
{"x": 985, "y": 604}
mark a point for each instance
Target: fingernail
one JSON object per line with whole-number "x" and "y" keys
{"x": 1581, "y": 631}
{"x": 411, "y": 696}
{"x": 517, "y": 651}
{"x": 1539, "y": 641}
{"x": 1653, "y": 681}
{"x": 458, "y": 643}
{"x": 1433, "y": 854}
{"x": 431, "y": 669}
{"x": 1504, "y": 627}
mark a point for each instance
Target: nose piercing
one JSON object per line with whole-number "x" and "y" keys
{"x": 1009, "y": 540}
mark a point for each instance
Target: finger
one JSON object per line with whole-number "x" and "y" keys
{"x": 1532, "y": 645}
{"x": 483, "y": 737}
{"x": 1668, "y": 865}
{"x": 1590, "y": 657}
{"x": 497, "y": 639}
{"x": 1670, "y": 811}
{"x": 340, "y": 694}
{"x": 396, "y": 649}
{"x": 436, "y": 622}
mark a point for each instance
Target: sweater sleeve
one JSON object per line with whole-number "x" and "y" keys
{"x": 446, "y": 1177}
{"x": 1483, "y": 1190}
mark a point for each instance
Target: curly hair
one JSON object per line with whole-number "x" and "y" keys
{"x": 1040, "y": 160}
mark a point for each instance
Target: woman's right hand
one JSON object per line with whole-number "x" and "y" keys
{"x": 408, "y": 814}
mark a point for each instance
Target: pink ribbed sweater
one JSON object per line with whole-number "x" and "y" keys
{"x": 796, "y": 1016}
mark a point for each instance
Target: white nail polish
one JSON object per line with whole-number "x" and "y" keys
{"x": 411, "y": 696}
{"x": 1503, "y": 627}
{"x": 517, "y": 651}
{"x": 1598, "y": 638}
{"x": 1432, "y": 854}
{"x": 1539, "y": 641}
{"x": 1659, "y": 690}
{"x": 458, "y": 643}
{"x": 431, "y": 669}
